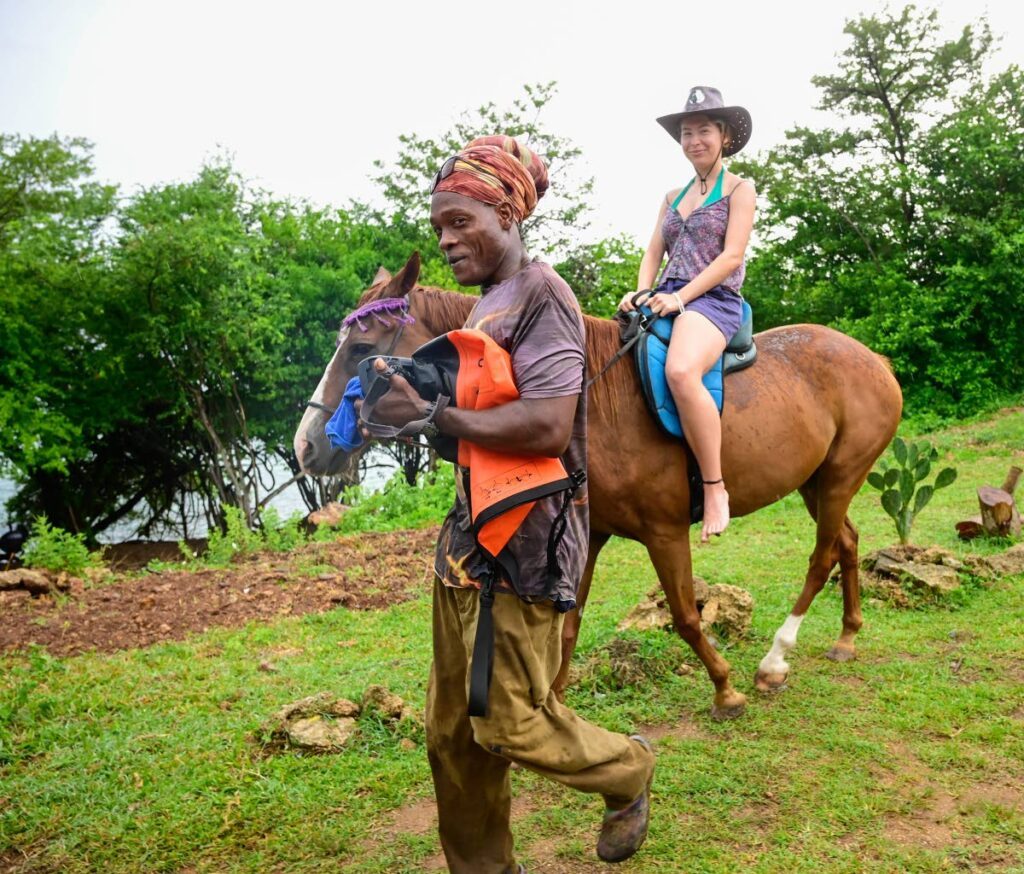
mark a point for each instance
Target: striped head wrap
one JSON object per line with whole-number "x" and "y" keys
{"x": 498, "y": 169}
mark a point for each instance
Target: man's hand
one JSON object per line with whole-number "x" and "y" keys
{"x": 399, "y": 406}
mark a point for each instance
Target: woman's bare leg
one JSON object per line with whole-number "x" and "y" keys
{"x": 695, "y": 347}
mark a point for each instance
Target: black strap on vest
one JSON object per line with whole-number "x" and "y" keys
{"x": 482, "y": 666}
{"x": 483, "y": 651}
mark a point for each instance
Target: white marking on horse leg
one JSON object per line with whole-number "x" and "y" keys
{"x": 785, "y": 639}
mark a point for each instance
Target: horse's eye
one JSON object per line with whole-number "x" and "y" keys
{"x": 361, "y": 350}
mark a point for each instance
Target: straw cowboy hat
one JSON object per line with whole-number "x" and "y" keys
{"x": 704, "y": 100}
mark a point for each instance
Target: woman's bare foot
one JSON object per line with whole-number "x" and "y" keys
{"x": 716, "y": 510}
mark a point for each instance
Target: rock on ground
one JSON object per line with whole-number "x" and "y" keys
{"x": 1009, "y": 562}
{"x": 324, "y": 723}
{"x": 728, "y": 609}
{"x": 329, "y": 514}
{"x": 934, "y": 570}
{"x": 386, "y": 703}
{"x": 320, "y": 723}
{"x": 319, "y": 734}
{"x": 35, "y": 582}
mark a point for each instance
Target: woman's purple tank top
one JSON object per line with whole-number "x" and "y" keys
{"x": 692, "y": 244}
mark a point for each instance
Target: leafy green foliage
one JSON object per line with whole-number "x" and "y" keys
{"x": 281, "y": 535}
{"x": 55, "y": 549}
{"x": 157, "y": 346}
{"x": 51, "y": 276}
{"x": 405, "y": 183}
{"x": 399, "y": 505}
{"x": 903, "y": 226}
{"x": 600, "y": 273}
{"x": 902, "y": 496}
{"x": 238, "y": 539}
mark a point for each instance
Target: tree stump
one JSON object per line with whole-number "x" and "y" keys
{"x": 999, "y": 514}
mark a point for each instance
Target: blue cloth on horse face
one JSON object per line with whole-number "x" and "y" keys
{"x": 343, "y": 427}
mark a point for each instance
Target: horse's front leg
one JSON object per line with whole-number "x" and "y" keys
{"x": 670, "y": 553}
{"x": 571, "y": 625}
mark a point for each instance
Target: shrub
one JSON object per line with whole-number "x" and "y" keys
{"x": 281, "y": 536}
{"x": 236, "y": 539}
{"x": 55, "y": 549}
{"x": 399, "y": 505}
{"x": 902, "y": 498}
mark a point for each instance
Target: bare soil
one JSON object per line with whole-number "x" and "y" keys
{"x": 124, "y": 610}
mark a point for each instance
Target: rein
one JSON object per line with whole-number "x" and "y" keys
{"x": 633, "y": 331}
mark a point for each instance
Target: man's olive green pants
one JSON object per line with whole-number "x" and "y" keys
{"x": 525, "y": 723}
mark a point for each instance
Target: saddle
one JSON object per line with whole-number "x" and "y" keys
{"x": 651, "y": 349}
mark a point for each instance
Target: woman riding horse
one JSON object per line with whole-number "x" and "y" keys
{"x": 705, "y": 235}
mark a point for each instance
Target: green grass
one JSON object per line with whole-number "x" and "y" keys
{"x": 142, "y": 761}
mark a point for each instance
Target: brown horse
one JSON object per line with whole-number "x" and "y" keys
{"x": 812, "y": 415}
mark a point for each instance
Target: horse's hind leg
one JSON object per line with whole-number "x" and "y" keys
{"x": 844, "y": 649}
{"x": 670, "y": 553}
{"x": 845, "y": 555}
{"x": 571, "y": 625}
{"x": 827, "y": 501}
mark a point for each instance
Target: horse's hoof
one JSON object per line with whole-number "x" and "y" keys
{"x": 765, "y": 682}
{"x": 732, "y": 706}
{"x": 841, "y": 654}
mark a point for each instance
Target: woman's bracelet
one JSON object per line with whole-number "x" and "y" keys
{"x": 679, "y": 300}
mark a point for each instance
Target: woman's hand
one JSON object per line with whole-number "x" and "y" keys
{"x": 665, "y": 304}
{"x": 642, "y": 296}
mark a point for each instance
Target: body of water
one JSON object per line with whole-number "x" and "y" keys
{"x": 286, "y": 503}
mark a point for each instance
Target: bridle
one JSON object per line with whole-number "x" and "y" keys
{"x": 316, "y": 405}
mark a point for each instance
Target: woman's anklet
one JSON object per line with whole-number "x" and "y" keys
{"x": 713, "y": 482}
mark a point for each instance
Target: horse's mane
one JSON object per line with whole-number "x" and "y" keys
{"x": 619, "y": 381}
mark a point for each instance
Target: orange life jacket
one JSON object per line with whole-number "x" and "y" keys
{"x": 504, "y": 486}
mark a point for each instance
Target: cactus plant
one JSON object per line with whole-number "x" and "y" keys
{"x": 902, "y": 497}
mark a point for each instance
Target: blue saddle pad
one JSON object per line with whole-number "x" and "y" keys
{"x": 652, "y": 349}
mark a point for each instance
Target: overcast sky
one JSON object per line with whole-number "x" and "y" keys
{"x": 306, "y": 95}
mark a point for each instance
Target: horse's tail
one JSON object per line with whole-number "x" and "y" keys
{"x": 886, "y": 361}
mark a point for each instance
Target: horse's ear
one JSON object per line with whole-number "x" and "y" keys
{"x": 405, "y": 280}
{"x": 382, "y": 276}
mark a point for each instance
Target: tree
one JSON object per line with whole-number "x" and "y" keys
{"x": 600, "y": 273}
{"x": 51, "y": 261}
{"x": 405, "y": 183}
{"x": 889, "y": 228}
{"x": 157, "y": 349}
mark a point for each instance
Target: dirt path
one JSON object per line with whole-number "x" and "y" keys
{"x": 360, "y": 572}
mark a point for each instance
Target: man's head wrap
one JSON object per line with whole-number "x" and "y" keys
{"x": 498, "y": 169}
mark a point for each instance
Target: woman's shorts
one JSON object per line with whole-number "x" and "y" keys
{"x": 720, "y": 306}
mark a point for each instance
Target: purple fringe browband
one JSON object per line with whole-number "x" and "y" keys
{"x": 393, "y": 307}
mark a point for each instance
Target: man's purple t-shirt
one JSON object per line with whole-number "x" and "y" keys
{"x": 535, "y": 317}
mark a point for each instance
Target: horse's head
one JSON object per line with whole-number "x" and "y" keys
{"x": 394, "y": 316}
{"x": 382, "y": 324}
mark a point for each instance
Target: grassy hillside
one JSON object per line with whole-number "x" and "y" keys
{"x": 909, "y": 759}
